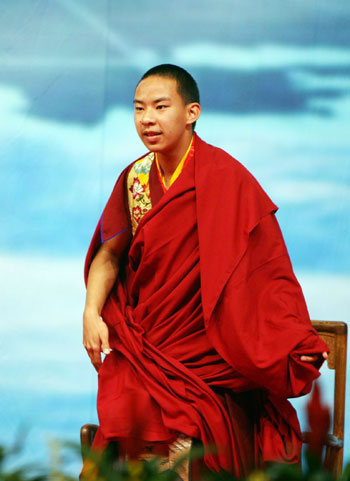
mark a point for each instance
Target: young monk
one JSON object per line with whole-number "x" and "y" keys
{"x": 192, "y": 298}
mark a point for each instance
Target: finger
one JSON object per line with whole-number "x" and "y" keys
{"x": 96, "y": 357}
{"x": 105, "y": 346}
{"x": 97, "y": 365}
{"x": 90, "y": 352}
{"x": 308, "y": 358}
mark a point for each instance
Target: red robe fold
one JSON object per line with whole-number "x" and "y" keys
{"x": 208, "y": 301}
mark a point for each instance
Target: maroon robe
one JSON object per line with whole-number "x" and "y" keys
{"x": 207, "y": 303}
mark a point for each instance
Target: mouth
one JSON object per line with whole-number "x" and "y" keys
{"x": 152, "y": 135}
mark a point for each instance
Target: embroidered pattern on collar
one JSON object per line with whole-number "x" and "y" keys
{"x": 139, "y": 197}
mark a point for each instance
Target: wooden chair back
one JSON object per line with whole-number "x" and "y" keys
{"x": 334, "y": 333}
{"x": 87, "y": 434}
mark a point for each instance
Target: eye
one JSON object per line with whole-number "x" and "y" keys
{"x": 138, "y": 108}
{"x": 161, "y": 107}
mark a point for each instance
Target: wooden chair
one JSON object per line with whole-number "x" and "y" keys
{"x": 334, "y": 333}
{"x": 87, "y": 434}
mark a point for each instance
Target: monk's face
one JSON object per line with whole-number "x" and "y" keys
{"x": 163, "y": 121}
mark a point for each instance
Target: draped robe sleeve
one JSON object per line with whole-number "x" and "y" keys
{"x": 114, "y": 220}
{"x": 253, "y": 305}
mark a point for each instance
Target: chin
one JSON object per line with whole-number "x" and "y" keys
{"x": 153, "y": 146}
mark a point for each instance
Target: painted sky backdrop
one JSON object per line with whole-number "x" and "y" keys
{"x": 275, "y": 87}
{"x": 67, "y": 79}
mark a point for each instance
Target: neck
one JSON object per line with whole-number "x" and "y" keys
{"x": 168, "y": 161}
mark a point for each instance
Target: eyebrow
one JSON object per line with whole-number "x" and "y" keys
{"x": 161, "y": 99}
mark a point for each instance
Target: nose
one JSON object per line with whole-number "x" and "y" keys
{"x": 147, "y": 117}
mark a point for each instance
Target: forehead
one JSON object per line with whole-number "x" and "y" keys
{"x": 154, "y": 87}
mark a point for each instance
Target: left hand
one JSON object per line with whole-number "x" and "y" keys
{"x": 313, "y": 357}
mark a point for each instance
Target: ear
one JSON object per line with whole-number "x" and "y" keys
{"x": 193, "y": 112}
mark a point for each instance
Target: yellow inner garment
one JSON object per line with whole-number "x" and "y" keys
{"x": 178, "y": 169}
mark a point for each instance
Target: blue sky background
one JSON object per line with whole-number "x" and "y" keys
{"x": 275, "y": 86}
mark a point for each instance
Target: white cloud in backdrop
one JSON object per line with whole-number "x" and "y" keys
{"x": 217, "y": 55}
{"x": 262, "y": 56}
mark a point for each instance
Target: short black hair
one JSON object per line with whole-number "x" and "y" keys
{"x": 186, "y": 85}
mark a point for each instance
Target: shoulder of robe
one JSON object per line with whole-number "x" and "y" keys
{"x": 232, "y": 174}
